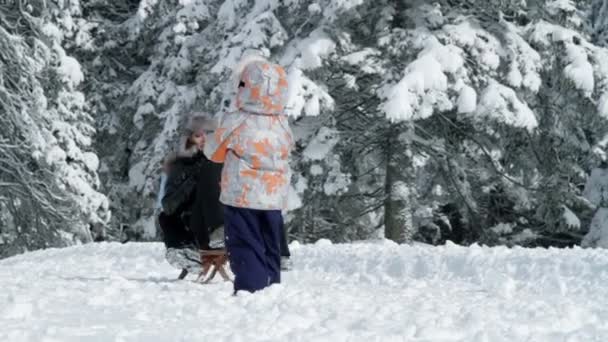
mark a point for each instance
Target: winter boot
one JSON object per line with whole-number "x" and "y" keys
{"x": 184, "y": 258}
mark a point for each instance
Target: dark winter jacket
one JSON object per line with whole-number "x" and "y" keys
{"x": 193, "y": 191}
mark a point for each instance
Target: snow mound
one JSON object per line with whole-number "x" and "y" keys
{"x": 354, "y": 292}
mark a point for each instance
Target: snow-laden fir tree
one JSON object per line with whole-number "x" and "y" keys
{"x": 455, "y": 119}
{"x": 49, "y": 170}
{"x": 432, "y": 121}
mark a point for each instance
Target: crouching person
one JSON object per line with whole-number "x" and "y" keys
{"x": 177, "y": 237}
{"x": 254, "y": 143}
{"x": 192, "y": 216}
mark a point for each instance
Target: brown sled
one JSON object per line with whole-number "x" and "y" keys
{"x": 219, "y": 259}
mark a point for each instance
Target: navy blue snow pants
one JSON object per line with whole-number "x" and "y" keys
{"x": 253, "y": 243}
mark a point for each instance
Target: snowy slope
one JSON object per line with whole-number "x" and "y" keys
{"x": 356, "y": 292}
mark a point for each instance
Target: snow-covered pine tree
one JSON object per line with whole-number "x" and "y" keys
{"x": 49, "y": 171}
{"x": 458, "y": 119}
{"x": 190, "y": 49}
{"x": 473, "y": 85}
{"x": 505, "y": 170}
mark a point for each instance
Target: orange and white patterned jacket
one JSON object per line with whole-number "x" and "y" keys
{"x": 254, "y": 143}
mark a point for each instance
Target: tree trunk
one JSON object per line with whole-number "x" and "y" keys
{"x": 399, "y": 203}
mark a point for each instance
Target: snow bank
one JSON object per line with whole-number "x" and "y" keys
{"x": 356, "y": 292}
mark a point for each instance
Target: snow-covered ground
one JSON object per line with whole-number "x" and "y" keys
{"x": 355, "y": 292}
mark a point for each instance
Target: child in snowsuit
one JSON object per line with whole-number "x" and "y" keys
{"x": 192, "y": 215}
{"x": 254, "y": 144}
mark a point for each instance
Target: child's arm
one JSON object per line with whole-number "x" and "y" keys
{"x": 222, "y": 140}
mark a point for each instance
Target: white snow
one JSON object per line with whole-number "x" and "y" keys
{"x": 146, "y": 7}
{"x": 484, "y": 47}
{"x": 467, "y": 100}
{"x": 227, "y": 13}
{"x": 70, "y": 71}
{"x": 579, "y": 70}
{"x": 137, "y": 177}
{"x": 321, "y": 144}
{"x": 526, "y": 62}
{"x": 301, "y": 184}
{"x": 305, "y": 96}
{"x": 424, "y": 85}
{"x": 314, "y": 49}
{"x": 337, "y": 182}
{"x": 555, "y": 6}
{"x": 309, "y": 52}
{"x": 335, "y": 7}
{"x": 351, "y": 81}
{"x": 376, "y": 291}
{"x": 514, "y": 77}
{"x": 193, "y": 10}
{"x": 316, "y": 170}
{"x": 180, "y": 28}
{"x": 147, "y": 226}
{"x": 52, "y": 31}
{"x": 365, "y": 60}
{"x": 602, "y": 106}
{"x": 314, "y": 8}
{"x": 503, "y": 228}
{"x": 572, "y": 221}
{"x": 423, "y": 77}
{"x": 55, "y": 155}
{"x": 545, "y": 33}
{"x": 501, "y": 103}
{"x": 293, "y": 199}
{"x": 91, "y": 161}
{"x": 312, "y": 107}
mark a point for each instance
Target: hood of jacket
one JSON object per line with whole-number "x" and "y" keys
{"x": 262, "y": 89}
